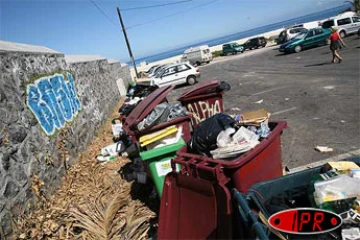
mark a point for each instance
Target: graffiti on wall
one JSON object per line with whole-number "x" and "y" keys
{"x": 202, "y": 110}
{"x": 54, "y": 101}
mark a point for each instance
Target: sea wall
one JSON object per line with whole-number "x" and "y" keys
{"x": 51, "y": 106}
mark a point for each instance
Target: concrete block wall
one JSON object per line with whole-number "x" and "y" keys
{"x": 51, "y": 106}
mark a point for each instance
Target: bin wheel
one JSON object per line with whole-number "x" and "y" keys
{"x": 191, "y": 80}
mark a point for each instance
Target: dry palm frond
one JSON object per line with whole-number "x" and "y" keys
{"x": 93, "y": 202}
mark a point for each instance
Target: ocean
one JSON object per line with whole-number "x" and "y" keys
{"x": 248, "y": 33}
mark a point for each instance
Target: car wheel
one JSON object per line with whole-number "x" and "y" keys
{"x": 207, "y": 62}
{"x": 297, "y": 49}
{"x": 191, "y": 80}
{"x": 342, "y": 34}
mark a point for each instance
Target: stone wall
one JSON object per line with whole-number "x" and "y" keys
{"x": 51, "y": 106}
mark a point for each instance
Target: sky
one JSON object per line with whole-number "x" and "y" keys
{"x": 79, "y": 27}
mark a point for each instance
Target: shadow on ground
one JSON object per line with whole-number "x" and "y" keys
{"x": 318, "y": 64}
{"x": 142, "y": 192}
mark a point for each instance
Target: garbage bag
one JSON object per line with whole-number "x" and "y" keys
{"x": 156, "y": 116}
{"x": 176, "y": 110}
{"x": 224, "y": 86}
{"x": 126, "y": 109}
{"x": 205, "y": 135}
{"x": 140, "y": 91}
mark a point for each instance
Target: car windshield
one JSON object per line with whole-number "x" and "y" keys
{"x": 300, "y": 36}
{"x": 158, "y": 69}
{"x": 159, "y": 72}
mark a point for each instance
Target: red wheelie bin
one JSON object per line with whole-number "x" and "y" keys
{"x": 203, "y": 100}
{"x": 217, "y": 176}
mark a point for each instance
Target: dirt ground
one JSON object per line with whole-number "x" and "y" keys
{"x": 92, "y": 202}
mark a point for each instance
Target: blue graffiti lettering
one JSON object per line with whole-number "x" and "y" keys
{"x": 62, "y": 95}
{"x": 53, "y": 101}
{"x": 73, "y": 94}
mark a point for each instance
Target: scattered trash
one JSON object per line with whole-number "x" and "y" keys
{"x": 329, "y": 87}
{"x": 287, "y": 99}
{"x": 260, "y": 101}
{"x": 264, "y": 130}
{"x": 110, "y": 152}
{"x": 342, "y": 121}
{"x": 162, "y": 112}
{"x": 139, "y": 90}
{"x": 323, "y": 149}
{"x": 224, "y": 137}
{"x": 341, "y": 166}
{"x": 116, "y": 127}
{"x": 205, "y": 135}
{"x": 113, "y": 149}
{"x": 153, "y": 137}
{"x": 243, "y": 140}
{"x": 286, "y": 170}
{"x": 254, "y": 117}
{"x": 102, "y": 158}
{"x": 336, "y": 188}
{"x": 350, "y": 234}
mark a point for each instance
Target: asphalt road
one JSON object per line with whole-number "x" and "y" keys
{"x": 320, "y": 101}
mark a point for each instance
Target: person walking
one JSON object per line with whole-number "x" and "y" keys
{"x": 335, "y": 41}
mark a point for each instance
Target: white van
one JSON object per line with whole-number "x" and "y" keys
{"x": 198, "y": 55}
{"x": 347, "y": 23}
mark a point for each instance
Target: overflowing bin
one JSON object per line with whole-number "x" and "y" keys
{"x": 158, "y": 161}
{"x": 137, "y": 115}
{"x": 266, "y": 197}
{"x": 261, "y": 163}
{"x": 204, "y": 100}
{"x": 204, "y": 179}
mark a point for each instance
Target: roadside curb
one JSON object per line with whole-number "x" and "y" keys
{"x": 331, "y": 159}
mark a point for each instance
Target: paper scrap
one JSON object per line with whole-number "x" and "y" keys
{"x": 350, "y": 233}
{"x": 323, "y": 149}
{"x": 260, "y": 101}
{"x": 254, "y": 117}
{"x": 343, "y": 165}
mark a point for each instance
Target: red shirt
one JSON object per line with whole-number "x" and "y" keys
{"x": 334, "y": 36}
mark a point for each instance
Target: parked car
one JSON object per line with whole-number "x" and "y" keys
{"x": 232, "y": 48}
{"x": 346, "y": 24}
{"x": 310, "y": 38}
{"x": 198, "y": 55}
{"x": 176, "y": 74}
{"x": 156, "y": 70}
{"x": 289, "y": 33}
{"x": 152, "y": 69}
{"x": 255, "y": 43}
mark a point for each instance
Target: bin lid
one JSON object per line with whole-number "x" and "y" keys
{"x": 200, "y": 88}
{"x": 147, "y": 105}
{"x": 192, "y": 208}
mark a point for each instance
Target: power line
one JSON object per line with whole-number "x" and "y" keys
{"x": 113, "y": 22}
{"x": 171, "y": 15}
{"x": 153, "y": 6}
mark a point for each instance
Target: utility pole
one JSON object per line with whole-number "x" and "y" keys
{"x": 127, "y": 43}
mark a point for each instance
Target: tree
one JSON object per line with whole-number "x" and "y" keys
{"x": 355, "y": 4}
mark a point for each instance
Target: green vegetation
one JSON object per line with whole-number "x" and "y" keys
{"x": 217, "y": 54}
{"x": 355, "y": 4}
